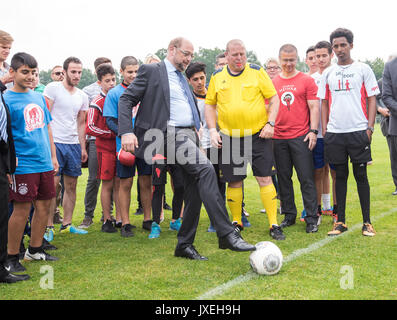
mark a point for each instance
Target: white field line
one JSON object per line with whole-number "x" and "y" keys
{"x": 294, "y": 255}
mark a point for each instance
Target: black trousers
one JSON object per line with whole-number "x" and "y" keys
{"x": 289, "y": 154}
{"x": 3, "y": 217}
{"x": 200, "y": 183}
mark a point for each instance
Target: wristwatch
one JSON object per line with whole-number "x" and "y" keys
{"x": 372, "y": 129}
{"x": 314, "y": 131}
{"x": 271, "y": 123}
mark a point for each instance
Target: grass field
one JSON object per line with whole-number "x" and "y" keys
{"x": 106, "y": 266}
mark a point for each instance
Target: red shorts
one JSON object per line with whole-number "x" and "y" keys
{"x": 106, "y": 165}
{"x": 33, "y": 186}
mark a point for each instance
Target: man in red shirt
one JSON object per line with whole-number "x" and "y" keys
{"x": 295, "y": 136}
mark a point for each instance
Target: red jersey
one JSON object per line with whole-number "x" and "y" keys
{"x": 96, "y": 126}
{"x": 293, "y": 119}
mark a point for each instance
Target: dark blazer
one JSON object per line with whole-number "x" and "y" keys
{"x": 7, "y": 150}
{"x": 389, "y": 93}
{"x": 151, "y": 89}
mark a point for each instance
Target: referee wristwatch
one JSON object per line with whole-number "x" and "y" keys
{"x": 271, "y": 123}
{"x": 371, "y": 129}
{"x": 314, "y": 131}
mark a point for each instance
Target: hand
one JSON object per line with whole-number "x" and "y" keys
{"x": 312, "y": 137}
{"x": 9, "y": 177}
{"x": 200, "y": 132}
{"x": 267, "y": 132}
{"x": 7, "y": 78}
{"x": 216, "y": 140}
{"x": 55, "y": 165}
{"x": 84, "y": 155}
{"x": 369, "y": 134}
{"x": 129, "y": 142}
{"x": 384, "y": 112}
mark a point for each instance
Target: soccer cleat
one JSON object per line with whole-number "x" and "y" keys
{"x": 126, "y": 231}
{"x": 42, "y": 255}
{"x": 244, "y": 212}
{"x": 108, "y": 227}
{"x": 49, "y": 234}
{"x": 176, "y": 225}
{"x": 303, "y": 215}
{"x": 368, "y": 230}
{"x": 155, "y": 232}
{"x": 72, "y": 229}
{"x": 211, "y": 228}
{"x": 87, "y": 222}
{"x": 13, "y": 265}
{"x": 244, "y": 220}
{"x": 337, "y": 229}
{"x": 277, "y": 233}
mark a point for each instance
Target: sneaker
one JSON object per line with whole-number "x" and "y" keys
{"x": 57, "y": 217}
{"x": 277, "y": 233}
{"x": 87, "y": 222}
{"x": 139, "y": 211}
{"x": 126, "y": 231}
{"x": 49, "y": 234}
{"x": 118, "y": 225}
{"x": 394, "y": 193}
{"x": 211, "y": 228}
{"x": 47, "y": 246}
{"x": 320, "y": 217}
{"x": 311, "y": 228}
{"x": 303, "y": 215}
{"x": 72, "y": 229}
{"x": 176, "y": 225}
{"x": 287, "y": 223}
{"x": 41, "y": 255}
{"x": 238, "y": 227}
{"x": 108, "y": 227}
{"x": 13, "y": 265}
{"x": 156, "y": 230}
{"x": 337, "y": 229}
{"x": 327, "y": 212}
{"x": 147, "y": 225}
{"x": 244, "y": 220}
{"x": 166, "y": 206}
{"x": 263, "y": 211}
{"x": 244, "y": 212}
{"x": 368, "y": 230}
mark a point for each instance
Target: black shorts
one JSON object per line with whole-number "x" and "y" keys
{"x": 159, "y": 174}
{"x": 236, "y": 153}
{"x": 339, "y": 146}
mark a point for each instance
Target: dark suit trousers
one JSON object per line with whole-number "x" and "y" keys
{"x": 392, "y": 143}
{"x": 3, "y": 216}
{"x": 201, "y": 185}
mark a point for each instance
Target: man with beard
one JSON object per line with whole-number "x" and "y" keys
{"x": 68, "y": 106}
{"x": 163, "y": 91}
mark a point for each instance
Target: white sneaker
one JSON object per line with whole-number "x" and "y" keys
{"x": 263, "y": 211}
{"x": 42, "y": 255}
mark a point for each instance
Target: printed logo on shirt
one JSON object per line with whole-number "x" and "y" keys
{"x": 288, "y": 99}
{"x": 34, "y": 117}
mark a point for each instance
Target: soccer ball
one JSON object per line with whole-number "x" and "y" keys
{"x": 266, "y": 259}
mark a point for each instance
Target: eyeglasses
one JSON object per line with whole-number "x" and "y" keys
{"x": 272, "y": 68}
{"x": 58, "y": 73}
{"x": 186, "y": 53}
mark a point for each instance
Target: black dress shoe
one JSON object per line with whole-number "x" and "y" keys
{"x": 311, "y": 228}
{"x": 287, "y": 223}
{"x": 234, "y": 242}
{"x": 189, "y": 252}
{"x": 12, "y": 278}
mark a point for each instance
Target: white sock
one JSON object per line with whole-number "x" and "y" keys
{"x": 326, "y": 199}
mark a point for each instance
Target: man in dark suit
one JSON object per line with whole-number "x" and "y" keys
{"x": 168, "y": 114}
{"x": 7, "y": 167}
{"x": 389, "y": 98}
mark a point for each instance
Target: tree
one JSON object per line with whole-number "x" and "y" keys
{"x": 377, "y": 65}
{"x": 45, "y": 77}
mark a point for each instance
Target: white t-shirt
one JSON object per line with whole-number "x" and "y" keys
{"x": 64, "y": 111}
{"x": 317, "y": 78}
{"x": 206, "y": 137}
{"x": 346, "y": 89}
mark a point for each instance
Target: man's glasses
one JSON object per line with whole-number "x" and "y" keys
{"x": 186, "y": 53}
{"x": 273, "y": 68}
{"x": 58, "y": 73}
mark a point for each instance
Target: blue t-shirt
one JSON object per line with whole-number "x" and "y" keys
{"x": 111, "y": 107}
{"x": 29, "y": 120}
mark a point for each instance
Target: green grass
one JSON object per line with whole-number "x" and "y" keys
{"x": 106, "y": 266}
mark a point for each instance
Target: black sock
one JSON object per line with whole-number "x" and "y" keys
{"x": 65, "y": 226}
{"x": 157, "y": 202}
{"x": 360, "y": 174}
{"x": 12, "y": 256}
{"x": 34, "y": 250}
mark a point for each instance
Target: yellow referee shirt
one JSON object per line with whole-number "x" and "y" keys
{"x": 240, "y": 99}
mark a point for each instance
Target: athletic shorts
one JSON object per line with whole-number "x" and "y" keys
{"x": 318, "y": 155}
{"x": 338, "y": 147}
{"x": 140, "y": 165}
{"x": 69, "y": 159}
{"x": 33, "y": 186}
{"x": 106, "y": 165}
{"x": 159, "y": 174}
{"x": 236, "y": 153}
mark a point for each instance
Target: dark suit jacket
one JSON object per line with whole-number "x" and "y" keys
{"x": 7, "y": 150}
{"x": 389, "y": 93}
{"x": 151, "y": 89}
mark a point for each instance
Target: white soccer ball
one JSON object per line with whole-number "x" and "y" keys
{"x": 266, "y": 259}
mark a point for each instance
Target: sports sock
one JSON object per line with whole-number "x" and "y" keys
{"x": 326, "y": 200}
{"x": 34, "y": 250}
{"x": 234, "y": 198}
{"x": 63, "y": 227}
{"x": 157, "y": 202}
{"x": 342, "y": 174}
{"x": 360, "y": 174}
{"x": 269, "y": 201}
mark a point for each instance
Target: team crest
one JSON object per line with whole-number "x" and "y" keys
{"x": 34, "y": 117}
{"x": 23, "y": 189}
{"x": 288, "y": 99}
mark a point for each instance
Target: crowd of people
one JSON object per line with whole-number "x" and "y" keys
{"x": 164, "y": 118}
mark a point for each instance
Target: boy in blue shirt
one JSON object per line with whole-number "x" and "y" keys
{"x": 36, "y": 165}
